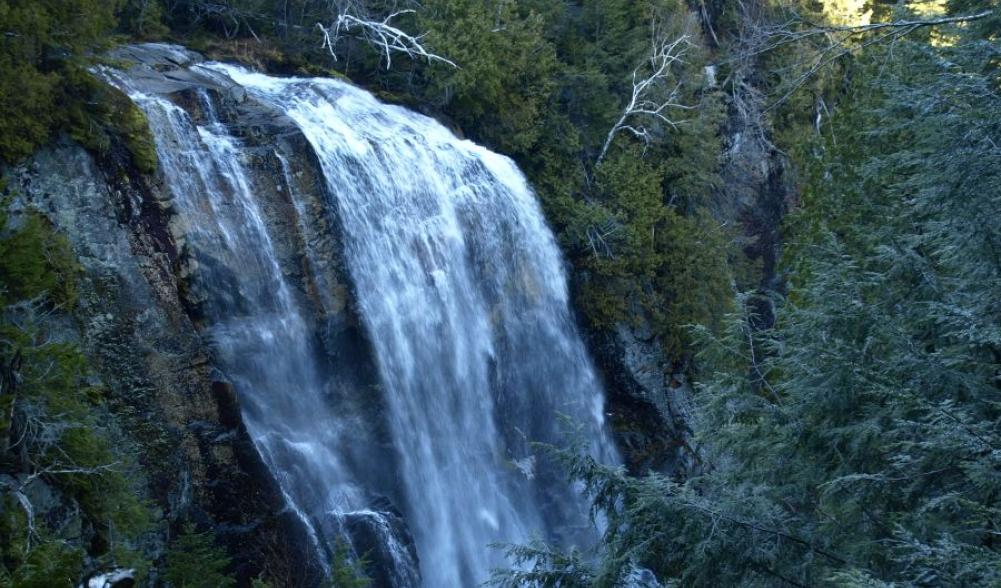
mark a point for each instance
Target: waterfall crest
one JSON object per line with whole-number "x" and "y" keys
{"x": 461, "y": 290}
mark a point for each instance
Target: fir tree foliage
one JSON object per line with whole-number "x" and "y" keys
{"x": 52, "y": 437}
{"x": 44, "y": 57}
{"x": 855, "y": 443}
{"x": 347, "y": 571}
{"x": 194, "y": 561}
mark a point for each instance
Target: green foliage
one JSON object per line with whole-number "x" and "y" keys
{"x": 194, "y": 561}
{"x": 41, "y": 66}
{"x": 856, "y": 442}
{"x": 542, "y": 566}
{"x": 48, "y": 88}
{"x": 642, "y": 221}
{"x": 985, "y": 28}
{"x": 51, "y": 431}
{"x": 36, "y": 261}
{"x": 645, "y": 253}
{"x": 694, "y": 280}
{"x": 895, "y": 270}
{"x": 345, "y": 572}
{"x": 690, "y": 159}
{"x": 143, "y": 18}
{"x": 502, "y": 97}
{"x": 27, "y": 107}
{"x": 50, "y": 565}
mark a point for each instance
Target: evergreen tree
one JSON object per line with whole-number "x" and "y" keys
{"x": 51, "y": 425}
{"x": 856, "y": 442}
{"x": 194, "y": 561}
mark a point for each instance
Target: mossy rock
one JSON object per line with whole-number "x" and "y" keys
{"x": 109, "y": 121}
{"x": 36, "y": 261}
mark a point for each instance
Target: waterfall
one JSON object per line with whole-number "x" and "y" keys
{"x": 462, "y": 292}
{"x": 258, "y": 330}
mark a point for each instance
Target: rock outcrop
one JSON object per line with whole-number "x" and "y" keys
{"x": 138, "y": 321}
{"x": 649, "y": 400}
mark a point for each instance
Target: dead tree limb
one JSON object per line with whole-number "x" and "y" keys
{"x": 381, "y": 34}
{"x": 18, "y": 486}
{"x": 840, "y": 41}
{"x": 654, "y": 94}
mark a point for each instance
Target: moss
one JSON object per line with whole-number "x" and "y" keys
{"x": 139, "y": 139}
{"x": 109, "y": 120}
{"x": 36, "y": 262}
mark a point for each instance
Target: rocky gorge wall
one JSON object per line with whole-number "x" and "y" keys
{"x": 138, "y": 320}
{"x": 131, "y": 321}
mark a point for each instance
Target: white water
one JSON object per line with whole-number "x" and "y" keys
{"x": 461, "y": 288}
{"x": 259, "y": 333}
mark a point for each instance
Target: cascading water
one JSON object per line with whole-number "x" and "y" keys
{"x": 461, "y": 289}
{"x": 461, "y": 286}
{"x": 259, "y": 332}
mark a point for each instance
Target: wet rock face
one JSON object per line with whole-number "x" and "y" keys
{"x": 757, "y": 192}
{"x": 290, "y": 190}
{"x": 155, "y": 55}
{"x": 143, "y": 313}
{"x": 162, "y": 69}
{"x": 138, "y": 318}
{"x": 652, "y": 379}
{"x": 382, "y": 539}
{"x": 131, "y": 323}
{"x": 649, "y": 401}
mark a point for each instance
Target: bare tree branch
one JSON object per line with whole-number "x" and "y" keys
{"x": 596, "y": 238}
{"x": 899, "y": 24}
{"x": 17, "y": 488}
{"x": 381, "y": 34}
{"x": 646, "y": 101}
{"x": 839, "y": 41}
